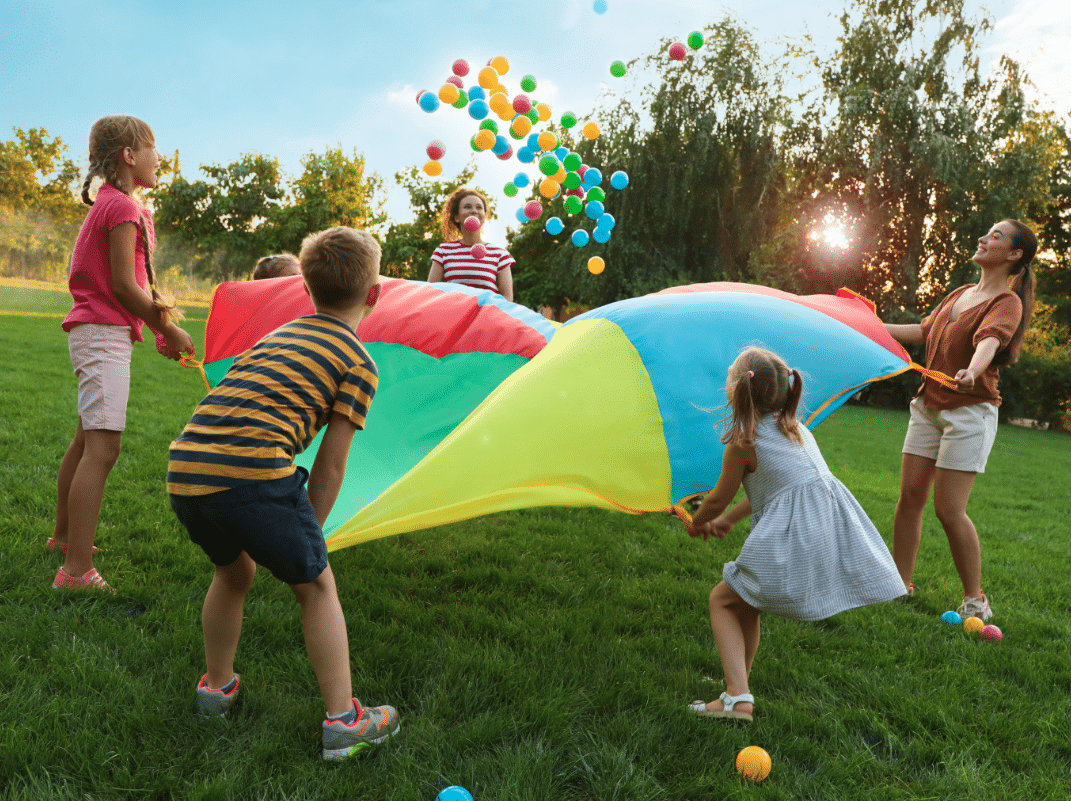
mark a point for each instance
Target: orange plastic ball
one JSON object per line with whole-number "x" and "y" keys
{"x": 753, "y": 763}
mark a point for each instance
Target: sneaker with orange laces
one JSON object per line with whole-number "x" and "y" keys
{"x": 216, "y": 703}
{"x": 975, "y": 607}
{"x": 372, "y": 726}
{"x": 91, "y": 580}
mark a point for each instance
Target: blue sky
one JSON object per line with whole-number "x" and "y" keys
{"x": 219, "y": 79}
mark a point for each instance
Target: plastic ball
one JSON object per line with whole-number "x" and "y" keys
{"x": 594, "y": 209}
{"x": 532, "y": 115}
{"x": 549, "y": 188}
{"x": 606, "y": 222}
{"x": 572, "y": 180}
{"x": 547, "y": 141}
{"x": 462, "y": 99}
{"x": 574, "y": 205}
{"x": 454, "y": 792}
{"x": 590, "y": 130}
{"x": 528, "y": 83}
{"x": 500, "y": 63}
{"x": 506, "y": 154}
{"x": 555, "y": 226}
{"x": 533, "y": 141}
{"x": 433, "y": 168}
{"x": 595, "y": 193}
{"x": 521, "y": 104}
{"x": 572, "y": 161}
{"x": 544, "y": 111}
{"x": 549, "y": 165}
{"x": 568, "y": 119}
{"x": 477, "y": 93}
{"x": 478, "y": 251}
{"x": 695, "y": 40}
{"x": 596, "y": 265}
{"x": 521, "y": 179}
{"x": 599, "y": 6}
{"x": 521, "y": 127}
{"x": 520, "y": 216}
{"x": 991, "y": 633}
{"x": 489, "y": 125}
{"x": 485, "y": 140}
{"x": 461, "y": 67}
{"x": 580, "y": 237}
{"x": 428, "y": 101}
{"x": 619, "y": 180}
{"x": 951, "y": 618}
{"x": 475, "y": 147}
{"x": 501, "y": 145}
{"x": 525, "y": 155}
{"x": 478, "y": 109}
{"x": 973, "y": 625}
{"x": 448, "y": 93}
{"x": 677, "y": 51}
{"x": 618, "y": 69}
{"x": 487, "y": 77}
{"x": 471, "y": 223}
{"x": 601, "y": 235}
{"x": 436, "y": 149}
{"x": 453, "y": 79}
{"x": 592, "y": 176}
{"x": 498, "y": 103}
{"x": 753, "y": 763}
{"x": 533, "y": 209}
{"x": 510, "y": 189}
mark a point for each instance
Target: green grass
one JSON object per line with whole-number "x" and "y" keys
{"x": 542, "y": 654}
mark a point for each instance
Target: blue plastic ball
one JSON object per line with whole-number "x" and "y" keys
{"x": 561, "y": 153}
{"x": 521, "y": 179}
{"x": 454, "y": 793}
{"x": 600, "y": 6}
{"x": 593, "y": 177}
{"x": 601, "y": 235}
{"x": 619, "y": 180}
{"x": 477, "y": 92}
{"x": 952, "y": 618}
{"x": 606, "y": 221}
{"x": 501, "y": 145}
{"x": 525, "y": 155}
{"x": 594, "y": 209}
{"x": 478, "y": 109}
{"x": 429, "y": 101}
{"x": 533, "y": 142}
{"x": 580, "y": 237}
{"x": 555, "y": 226}
{"x": 520, "y": 215}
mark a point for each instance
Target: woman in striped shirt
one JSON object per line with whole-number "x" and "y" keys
{"x": 464, "y": 257}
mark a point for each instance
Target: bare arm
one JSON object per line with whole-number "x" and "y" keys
{"x": 435, "y": 275}
{"x": 505, "y": 283}
{"x": 329, "y": 468}
{"x": 910, "y": 333}
{"x": 983, "y": 357}
{"x": 736, "y": 460}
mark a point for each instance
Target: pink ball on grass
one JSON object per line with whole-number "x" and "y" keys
{"x": 478, "y": 250}
{"x": 677, "y": 51}
{"x": 991, "y": 633}
{"x": 533, "y": 210}
{"x": 472, "y": 223}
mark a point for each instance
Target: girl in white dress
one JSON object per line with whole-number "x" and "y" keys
{"x": 812, "y": 551}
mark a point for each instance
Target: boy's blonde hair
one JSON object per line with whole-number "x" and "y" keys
{"x": 759, "y": 383}
{"x": 339, "y": 265}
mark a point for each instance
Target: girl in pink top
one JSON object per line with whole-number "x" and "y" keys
{"x": 464, "y": 257}
{"x": 111, "y": 282}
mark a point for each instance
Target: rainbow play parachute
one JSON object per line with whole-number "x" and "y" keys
{"x": 483, "y": 406}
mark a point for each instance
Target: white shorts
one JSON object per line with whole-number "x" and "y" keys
{"x": 101, "y": 355}
{"x": 957, "y": 439}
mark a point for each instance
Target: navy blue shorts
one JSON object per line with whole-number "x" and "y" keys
{"x": 272, "y": 521}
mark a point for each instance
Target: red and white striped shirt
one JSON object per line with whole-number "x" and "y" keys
{"x": 460, "y": 266}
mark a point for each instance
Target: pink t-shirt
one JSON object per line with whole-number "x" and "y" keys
{"x": 91, "y": 274}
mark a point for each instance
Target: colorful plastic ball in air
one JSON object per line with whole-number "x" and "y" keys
{"x": 533, "y": 141}
{"x": 528, "y": 83}
{"x": 500, "y": 63}
{"x": 521, "y": 216}
{"x": 501, "y": 145}
{"x": 506, "y": 154}
{"x": 951, "y": 618}
{"x": 433, "y": 168}
{"x": 471, "y": 223}
{"x": 568, "y": 119}
{"x": 572, "y": 161}
{"x": 590, "y": 130}
{"x": 596, "y": 265}
{"x": 549, "y": 188}
{"x": 618, "y": 69}
{"x": 973, "y": 625}
{"x": 544, "y": 111}
{"x": 498, "y": 101}
{"x": 521, "y": 127}
{"x": 454, "y": 792}
{"x": 606, "y": 221}
{"x": 479, "y": 250}
{"x": 448, "y": 93}
{"x": 532, "y": 115}
{"x": 991, "y": 633}
{"x": 436, "y": 149}
{"x": 547, "y": 141}
{"x": 477, "y": 93}
{"x": 462, "y": 99}
{"x": 489, "y": 125}
{"x": 510, "y": 189}
{"x": 619, "y": 180}
{"x": 555, "y": 226}
{"x": 522, "y": 104}
{"x": 695, "y": 40}
{"x": 487, "y": 77}
{"x": 521, "y": 179}
{"x": 753, "y": 763}
{"x": 475, "y": 146}
{"x": 594, "y": 209}
{"x": 599, "y": 6}
{"x": 601, "y": 235}
{"x": 592, "y": 176}
{"x": 574, "y": 205}
{"x": 478, "y": 109}
{"x": 453, "y": 79}
{"x": 572, "y": 180}
{"x": 525, "y": 155}
{"x": 580, "y": 237}
{"x": 428, "y": 101}
{"x": 595, "y": 193}
{"x": 549, "y": 165}
{"x": 677, "y": 51}
{"x": 533, "y": 209}
{"x": 485, "y": 140}
{"x": 461, "y": 67}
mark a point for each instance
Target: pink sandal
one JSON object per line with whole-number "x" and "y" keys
{"x": 92, "y": 580}
{"x": 52, "y": 545}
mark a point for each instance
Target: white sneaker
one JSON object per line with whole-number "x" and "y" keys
{"x": 975, "y": 607}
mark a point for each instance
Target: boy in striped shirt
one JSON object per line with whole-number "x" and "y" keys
{"x": 234, "y": 486}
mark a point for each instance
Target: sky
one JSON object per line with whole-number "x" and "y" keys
{"x": 217, "y": 80}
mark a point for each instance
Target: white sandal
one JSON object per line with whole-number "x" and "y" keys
{"x": 728, "y": 702}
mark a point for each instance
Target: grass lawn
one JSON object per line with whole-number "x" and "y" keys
{"x": 543, "y": 654}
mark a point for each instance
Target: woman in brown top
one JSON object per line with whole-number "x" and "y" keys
{"x": 974, "y": 330}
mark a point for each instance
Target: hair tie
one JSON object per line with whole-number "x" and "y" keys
{"x": 750, "y": 373}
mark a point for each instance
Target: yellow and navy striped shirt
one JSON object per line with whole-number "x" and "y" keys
{"x": 271, "y": 404}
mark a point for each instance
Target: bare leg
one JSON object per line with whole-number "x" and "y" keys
{"x": 327, "y": 641}
{"x": 952, "y": 490}
{"x": 221, "y": 617}
{"x": 736, "y": 633}
{"x": 86, "y": 495}
{"x": 66, "y": 475}
{"x": 916, "y": 478}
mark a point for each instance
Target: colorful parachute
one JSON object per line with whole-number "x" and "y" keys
{"x": 619, "y": 410}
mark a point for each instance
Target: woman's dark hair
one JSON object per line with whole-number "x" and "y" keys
{"x": 1022, "y": 284}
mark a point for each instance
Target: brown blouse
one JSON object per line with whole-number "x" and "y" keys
{"x": 950, "y": 344}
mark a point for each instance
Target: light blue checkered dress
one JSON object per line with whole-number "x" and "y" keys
{"x": 812, "y": 551}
